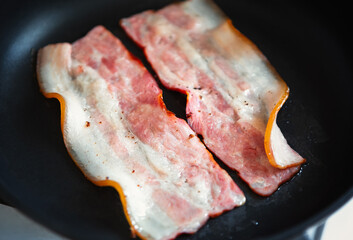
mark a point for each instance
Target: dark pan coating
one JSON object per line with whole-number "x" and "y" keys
{"x": 306, "y": 44}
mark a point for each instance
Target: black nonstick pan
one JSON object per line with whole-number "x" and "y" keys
{"x": 308, "y": 45}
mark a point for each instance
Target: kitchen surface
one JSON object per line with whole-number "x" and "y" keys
{"x": 14, "y": 225}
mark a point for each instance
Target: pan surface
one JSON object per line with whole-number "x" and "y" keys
{"x": 305, "y": 46}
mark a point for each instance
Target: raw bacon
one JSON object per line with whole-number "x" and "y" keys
{"x": 120, "y": 134}
{"x": 233, "y": 93}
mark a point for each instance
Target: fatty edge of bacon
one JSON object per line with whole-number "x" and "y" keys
{"x": 164, "y": 193}
{"x": 255, "y": 92}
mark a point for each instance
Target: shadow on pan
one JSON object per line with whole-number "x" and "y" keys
{"x": 308, "y": 46}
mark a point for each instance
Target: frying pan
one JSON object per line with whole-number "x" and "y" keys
{"x": 306, "y": 44}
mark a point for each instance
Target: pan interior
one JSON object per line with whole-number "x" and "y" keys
{"x": 38, "y": 176}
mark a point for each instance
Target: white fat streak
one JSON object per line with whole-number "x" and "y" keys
{"x": 282, "y": 152}
{"x": 206, "y": 10}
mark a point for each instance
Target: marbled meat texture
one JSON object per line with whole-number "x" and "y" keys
{"x": 119, "y": 133}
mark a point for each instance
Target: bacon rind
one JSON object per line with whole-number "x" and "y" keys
{"x": 192, "y": 46}
{"x": 177, "y": 184}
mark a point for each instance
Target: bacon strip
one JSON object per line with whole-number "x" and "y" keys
{"x": 233, "y": 93}
{"x": 120, "y": 134}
